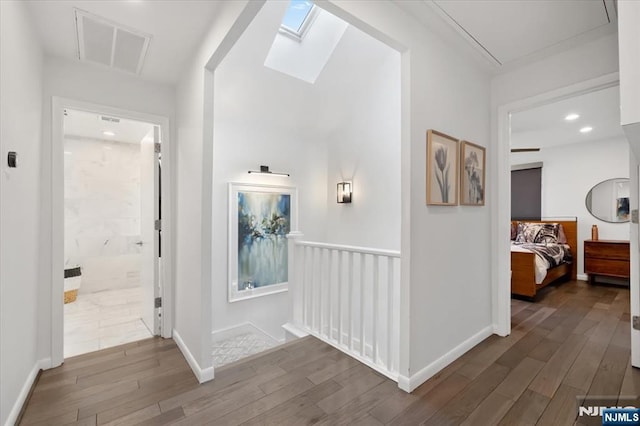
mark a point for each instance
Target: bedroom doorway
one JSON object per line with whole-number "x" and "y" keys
{"x": 566, "y": 148}
{"x": 533, "y": 151}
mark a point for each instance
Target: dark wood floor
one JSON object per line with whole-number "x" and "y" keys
{"x": 573, "y": 341}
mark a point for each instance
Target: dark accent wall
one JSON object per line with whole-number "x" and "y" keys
{"x": 526, "y": 194}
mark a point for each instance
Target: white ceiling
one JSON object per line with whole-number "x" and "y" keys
{"x": 91, "y": 125}
{"x": 176, "y": 26}
{"x": 504, "y": 32}
{"x": 545, "y": 126}
{"x": 510, "y": 32}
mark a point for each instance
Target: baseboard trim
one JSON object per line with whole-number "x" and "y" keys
{"x": 23, "y": 396}
{"x": 582, "y": 277}
{"x": 203, "y": 375}
{"x": 294, "y": 330}
{"x": 409, "y": 384}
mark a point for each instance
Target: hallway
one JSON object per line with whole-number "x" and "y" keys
{"x": 573, "y": 341}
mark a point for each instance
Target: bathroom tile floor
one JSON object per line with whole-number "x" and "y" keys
{"x": 102, "y": 320}
{"x": 241, "y": 346}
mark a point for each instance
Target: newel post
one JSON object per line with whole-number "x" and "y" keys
{"x": 295, "y": 293}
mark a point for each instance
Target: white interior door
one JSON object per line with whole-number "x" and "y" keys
{"x": 632, "y": 131}
{"x": 150, "y": 236}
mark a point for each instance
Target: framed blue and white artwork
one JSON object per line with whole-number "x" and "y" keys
{"x": 260, "y": 217}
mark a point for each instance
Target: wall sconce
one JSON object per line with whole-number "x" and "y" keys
{"x": 345, "y": 191}
{"x": 265, "y": 170}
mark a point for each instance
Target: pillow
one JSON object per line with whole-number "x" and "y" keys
{"x": 562, "y": 238}
{"x": 514, "y": 230}
{"x": 548, "y": 233}
{"x": 537, "y": 233}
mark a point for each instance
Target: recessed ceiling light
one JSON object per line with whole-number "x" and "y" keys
{"x": 586, "y": 129}
{"x": 110, "y": 133}
{"x": 572, "y": 117}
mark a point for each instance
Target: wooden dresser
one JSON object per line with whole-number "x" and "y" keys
{"x": 607, "y": 258}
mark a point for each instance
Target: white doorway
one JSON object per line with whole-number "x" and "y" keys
{"x": 111, "y": 204}
{"x": 500, "y": 242}
{"x": 108, "y": 236}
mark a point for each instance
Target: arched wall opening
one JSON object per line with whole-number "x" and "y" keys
{"x": 344, "y": 126}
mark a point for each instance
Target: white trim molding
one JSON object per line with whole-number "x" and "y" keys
{"x": 409, "y": 384}
{"x": 501, "y": 261}
{"x": 42, "y": 364}
{"x": 58, "y": 105}
{"x": 203, "y": 375}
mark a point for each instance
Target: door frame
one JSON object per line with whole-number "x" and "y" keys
{"x": 59, "y": 104}
{"x": 501, "y": 263}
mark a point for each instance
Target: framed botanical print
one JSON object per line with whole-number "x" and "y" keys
{"x": 472, "y": 174}
{"x": 442, "y": 169}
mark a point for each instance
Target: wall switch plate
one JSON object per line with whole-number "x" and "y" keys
{"x": 634, "y": 216}
{"x": 12, "y": 159}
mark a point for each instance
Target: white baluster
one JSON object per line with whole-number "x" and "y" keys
{"x": 322, "y": 285}
{"x": 390, "y": 315}
{"x": 350, "y": 301}
{"x": 330, "y": 304}
{"x": 374, "y": 308}
{"x": 295, "y": 286}
{"x": 312, "y": 292}
{"x": 363, "y": 346}
{"x": 340, "y": 290}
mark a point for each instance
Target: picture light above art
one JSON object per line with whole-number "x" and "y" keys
{"x": 265, "y": 170}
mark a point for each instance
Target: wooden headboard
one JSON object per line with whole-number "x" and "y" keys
{"x": 570, "y": 228}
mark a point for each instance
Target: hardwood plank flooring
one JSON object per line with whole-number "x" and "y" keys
{"x": 574, "y": 340}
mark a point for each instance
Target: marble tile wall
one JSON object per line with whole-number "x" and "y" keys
{"x": 102, "y": 212}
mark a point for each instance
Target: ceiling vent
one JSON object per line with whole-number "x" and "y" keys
{"x": 108, "y": 43}
{"x": 109, "y": 119}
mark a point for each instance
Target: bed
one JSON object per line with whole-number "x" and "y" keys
{"x": 528, "y": 275}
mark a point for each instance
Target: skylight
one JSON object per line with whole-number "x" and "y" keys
{"x": 297, "y": 17}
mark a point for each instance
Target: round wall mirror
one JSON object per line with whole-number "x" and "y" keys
{"x": 609, "y": 200}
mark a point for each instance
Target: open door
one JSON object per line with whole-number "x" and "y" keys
{"x": 150, "y": 230}
{"x": 632, "y": 132}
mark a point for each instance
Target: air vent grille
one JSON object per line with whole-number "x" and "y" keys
{"x": 109, "y": 43}
{"x": 109, "y": 119}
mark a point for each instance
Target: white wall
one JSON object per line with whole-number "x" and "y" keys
{"x": 21, "y": 120}
{"x": 194, "y": 180}
{"x": 361, "y": 90}
{"x": 282, "y": 152}
{"x": 568, "y": 173}
{"x": 629, "y": 16}
{"x": 557, "y": 71}
{"x": 102, "y": 212}
{"x": 349, "y": 120}
{"x": 96, "y": 85}
{"x": 442, "y": 89}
